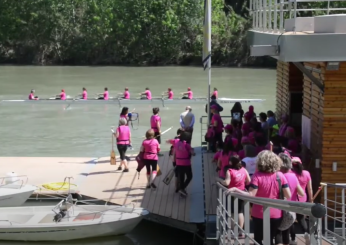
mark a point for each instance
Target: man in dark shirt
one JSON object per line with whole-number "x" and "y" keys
{"x": 213, "y": 102}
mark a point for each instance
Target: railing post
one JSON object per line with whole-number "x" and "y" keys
{"x": 281, "y": 16}
{"x": 236, "y": 220}
{"x": 264, "y": 4}
{"x": 270, "y": 15}
{"x": 326, "y": 216}
{"x": 275, "y": 15}
{"x": 266, "y": 225}
{"x": 224, "y": 220}
{"x": 247, "y": 221}
{"x": 218, "y": 212}
{"x": 229, "y": 217}
{"x": 313, "y": 225}
{"x": 343, "y": 213}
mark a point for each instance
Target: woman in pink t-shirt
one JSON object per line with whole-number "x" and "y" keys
{"x": 215, "y": 93}
{"x": 169, "y": 94}
{"x": 304, "y": 180}
{"x": 217, "y": 124}
{"x": 123, "y": 136}
{"x": 227, "y": 152}
{"x": 146, "y": 95}
{"x": 236, "y": 177}
{"x": 150, "y": 147}
{"x": 296, "y": 192}
{"x": 187, "y": 95}
{"x": 292, "y": 144}
{"x": 182, "y": 156}
{"x": 155, "y": 123}
{"x": 264, "y": 184}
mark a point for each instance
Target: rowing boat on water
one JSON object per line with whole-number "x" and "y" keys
{"x": 131, "y": 101}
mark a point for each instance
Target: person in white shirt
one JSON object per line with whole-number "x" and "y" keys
{"x": 187, "y": 120}
{"x": 250, "y": 159}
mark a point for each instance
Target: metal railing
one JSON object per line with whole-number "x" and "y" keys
{"x": 269, "y": 16}
{"x": 18, "y": 183}
{"x": 334, "y": 220}
{"x": 225, "y": 219}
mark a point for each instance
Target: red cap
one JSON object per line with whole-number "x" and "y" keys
{"x": 296, "y": 160}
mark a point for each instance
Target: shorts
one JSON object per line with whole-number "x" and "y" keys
{"x": 122, "y": 150}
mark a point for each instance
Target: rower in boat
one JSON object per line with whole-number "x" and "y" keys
{"x": 61, "y": 96}
{"x": 32, "y": 95}
{"x": 125, "y": 95}
{"x": 169, "y": 94}
{"x": 104, "y": 95}
{"x": 84, "y": 95}
{"x": 215, "y": 92}
{"x": 146, "y": 95}
{"x": 187, "y": 95}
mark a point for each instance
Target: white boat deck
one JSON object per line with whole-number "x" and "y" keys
{"x": 103, "y": 181}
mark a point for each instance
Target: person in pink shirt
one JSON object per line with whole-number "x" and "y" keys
{"x": 265, "y": 184}
{"x": 150, "y": 148}
{"x": 32, "y": 95}
{"x": 84, "y": 94}
{"x": 169, "y": 94}
{"x": 246, "y": 127}
{"x": 147, "y": 94}
{"x": 104, "y": 95}
{"x": 182, "y": 156}
{"x": 187, "y": 95}
{"x": 251, "y": 112}
{"x": 296, "y": 191}
{"x": 227, "y": 152}
{"x": 292, "y": 144}
{"x": 155, "y": 123}
{"x": 217, "y": 124}
{"x": 215, "y": 93}
{"x": 123, "y": 136}
{"x": 61, "y": 96}
{"x": 126, "y": 94}
{"x": 236, "y": 177}
{"x": 304, "y": 180}
{"x": 171, "y": 151}
{"x": 229, "y": 132}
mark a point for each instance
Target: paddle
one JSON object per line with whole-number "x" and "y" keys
{"x": 113, "y": 160}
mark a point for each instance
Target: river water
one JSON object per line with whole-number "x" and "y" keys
{"x": 84, "y": 130}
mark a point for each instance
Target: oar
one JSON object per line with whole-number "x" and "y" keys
{"x": 113, "y": 160}
{"x": 161, "y": 133}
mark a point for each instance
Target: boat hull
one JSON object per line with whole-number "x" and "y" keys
{"x": 15, "y": 197}
{"x": 65, "y": 233}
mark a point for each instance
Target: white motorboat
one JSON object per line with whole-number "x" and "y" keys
{"x": 14, "y": 191}
{"x": 67, "y": 221}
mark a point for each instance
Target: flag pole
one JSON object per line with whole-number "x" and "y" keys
{"x": 208, "y": 44}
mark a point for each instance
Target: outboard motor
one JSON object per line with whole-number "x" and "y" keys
{"x": 59, "y": 216}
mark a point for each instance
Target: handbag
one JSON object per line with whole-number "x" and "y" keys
{"x": 158, "y": 171}
{"x": 288, "y": 218}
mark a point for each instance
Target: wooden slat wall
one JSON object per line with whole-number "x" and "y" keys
{"x": 334, "y": 125}
{"x": 313, "y": 103}
{"x": 282, "y": 88}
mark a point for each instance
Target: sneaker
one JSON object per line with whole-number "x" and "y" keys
{"x": 120, "y": 168}
{"x": 183, "y": 193}
{"x": 293, "y": 242}
{"x": 307, "y": 238}
{"x": 153, "y": 186}
{"x": 126, "y": 170}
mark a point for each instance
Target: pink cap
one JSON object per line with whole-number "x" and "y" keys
{"x": 229, "y": 127}
{"x": 214, "y": 107}
{"x": 296, "y": 160}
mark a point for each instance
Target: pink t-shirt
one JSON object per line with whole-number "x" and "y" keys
{"x": 124, "y": 135}
{"x": 85, "y": 95}
{"x": 217, "y": 155}
{"x": 238, "y": 178}
{"x": 182, "y": 153}
{"x": 190, "y": 94}
{"x": 151, "y": 148}
{"x": 241, "y": 154}
{"x": 292, "y": 184}
{"x": 170, "y": 95}
{"x": 105, "y": 95}
{"x": 31, "y": 96}
{"x": 63, "y": 96}
{"x": 268, "y": 187}
{"x": 126, "y": 95}
{"x": 303, "y": 180}
{"x": 215, "y": 93}
{"x": 153, "y": 122}
{"x": 224, "y": 160}
{"x": 217, "y": 117}
{"x": 148, "y": 94}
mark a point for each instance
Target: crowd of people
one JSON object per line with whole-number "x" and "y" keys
{"x": 257, "y": 157}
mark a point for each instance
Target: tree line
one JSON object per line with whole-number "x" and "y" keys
{"x": 118, "y": 32}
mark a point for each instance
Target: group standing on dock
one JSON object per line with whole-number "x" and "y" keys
{"x": 261, "y": 159}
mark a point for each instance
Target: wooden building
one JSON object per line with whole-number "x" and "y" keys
{"x": 320, "y": 112}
